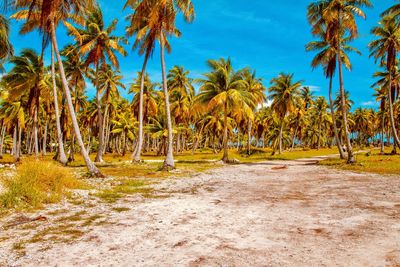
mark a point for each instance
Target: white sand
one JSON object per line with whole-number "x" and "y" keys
{"x": 243, "y": 215}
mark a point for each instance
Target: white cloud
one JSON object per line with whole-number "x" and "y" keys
{"x": 313, "y": 88}
{"x": 370, "y": 104}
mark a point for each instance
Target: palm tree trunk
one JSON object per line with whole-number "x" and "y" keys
{"x": 3, "y": 132}
{"x": 44, "y": 147}
{"x": 225, "y": 157}
{"x": 249, "y": 127}
{"x": 392, "y": 122}
{"x": 350, "y": 156}
{"x": 18, "y": 154}
{"x": 383, "y": 133}
{"x": 281, "y": 135}
{"x": 14, "y": 148}
{"x": 99, "y": 155}
{"x": 35, "y": 130}
{"x": 169, "y": 159}
{"x": 93, "y": 170}
{"x": 61, "y": 152}
{"x": 138, "y": 150}
{"x": 335, "y": 130}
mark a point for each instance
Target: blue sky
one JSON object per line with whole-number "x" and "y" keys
{"x": 266, "y": 36}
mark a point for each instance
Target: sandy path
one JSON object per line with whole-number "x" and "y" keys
{"x": 245, "y": 215}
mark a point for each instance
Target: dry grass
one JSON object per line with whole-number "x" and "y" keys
{"x": 371, "y": 162}
{"x": 37, "y": 183}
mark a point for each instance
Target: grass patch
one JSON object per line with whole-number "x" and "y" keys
{"x": 125, "y": 187}
{"x": 60, "y": 233}
{"x": 120, "y": 209}
{"x": 37, "y": 183}
{"x": 72, "y": 218}
{"x": 372, "y": 163}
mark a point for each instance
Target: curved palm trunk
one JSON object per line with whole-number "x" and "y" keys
{"x": 93, "y": 170}
{"x": 61, "y": 152}
{"x": 335, "y": 130}
{"x": 138, "y": 150}
{"x": 44, "y": 147}
{"x": 350, "y": 156}
{"x": 225, "y": 157}
{"x": 169, "y": 159}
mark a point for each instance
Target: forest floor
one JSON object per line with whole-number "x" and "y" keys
{"x": 272, "y": 213}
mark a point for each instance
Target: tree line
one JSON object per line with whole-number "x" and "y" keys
{"x": 46, "y": 108}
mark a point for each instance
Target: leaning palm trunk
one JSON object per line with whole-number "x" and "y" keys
{"x": 350, "y": 156}
{"x": 169, "y": 159}
{"x": 61, "y": 152}
{"x": 138, "y": 150}
{"x": 35, "y": 130}
{"x": 3, "y": 132}
{"x": 335, "y": 130}
{"x": 93, "y": 170}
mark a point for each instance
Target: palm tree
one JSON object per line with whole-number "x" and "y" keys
{"x": 326, "y": 57}
{"x": 97, "y": 43}
{"x": 284, "y": 93}
{"x": 27, "y": 78}
{"x": 256, "y": 88}
{"x": 223, "y": 89}
{"x": 6, "y": 49}
{"x": 385, "y": 49}
{"x": 47, "y": 15}
{"x": 337, "y": 19}
{"x": 161, "y": 22}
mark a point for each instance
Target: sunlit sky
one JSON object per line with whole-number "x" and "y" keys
{"x": 268, "y": 36}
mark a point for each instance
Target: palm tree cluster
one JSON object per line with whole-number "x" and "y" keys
{"x": 46, "y": 107}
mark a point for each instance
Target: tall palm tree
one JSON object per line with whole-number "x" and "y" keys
{"x": 27, "y": 78}
{"x": 6, "y": 49}
{"x": 337, "y": 19}
{"x": 49, "y": 14}
{"x": 97, "y": 43}
{"x": 284, "y": 93}
{"x": 146, "y": 34}
{"x": 255, "y": 86}
{"x": 161, "y": 20}
{"x": 326, "y": 57}
{"x": 223, "y": 89}
{"x": 385, "y": 48}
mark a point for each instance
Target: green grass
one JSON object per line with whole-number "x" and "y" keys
{"x": 373, "y": 163}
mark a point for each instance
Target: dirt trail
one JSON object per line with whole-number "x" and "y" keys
{"x": 242, "y": 215}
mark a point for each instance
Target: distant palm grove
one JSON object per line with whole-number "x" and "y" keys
{"x": 45, "y": 108}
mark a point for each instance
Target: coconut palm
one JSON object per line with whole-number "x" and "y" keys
{"x": 223, "y": 89}
{"x": 256, "y": 89}
{"x": 284, "y": 93}
{"x": 47, "y": 15}
{"x": 385, "y": 48}
{"x": 97, "y": 43}
{"x": 326, "y": 57}
{"x": 27, "y": 78}
{"x": 337, "y": 18}
{"x": 6, "y": 49}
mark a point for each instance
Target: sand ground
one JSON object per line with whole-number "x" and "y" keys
{"x": 241, "y": 215}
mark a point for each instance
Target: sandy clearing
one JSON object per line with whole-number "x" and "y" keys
{"x": 242, "y": 215}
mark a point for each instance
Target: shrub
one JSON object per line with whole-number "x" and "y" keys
{"x": 37, "y": 183}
